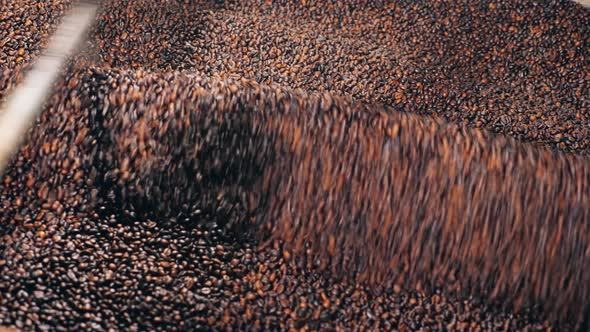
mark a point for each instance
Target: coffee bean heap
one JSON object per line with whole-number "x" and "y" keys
{"x": 102, "y": 252}
{"x": 515, "y": 67}
{"x": 261, "y": 145}
{"x": 149, "y": 34}
{"x": 146, "y": 199}
{"x": 24, "y": 28}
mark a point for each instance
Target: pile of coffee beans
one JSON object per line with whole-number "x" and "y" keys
{"x": 517, "y": 67}
{"x": 299, "y": 162}
{"x": 25, "y": 26}
{"x": 87, "y": 246}
{"x": 179, "y": 179}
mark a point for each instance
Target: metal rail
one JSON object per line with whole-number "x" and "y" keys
{"x": 25, "y": 102}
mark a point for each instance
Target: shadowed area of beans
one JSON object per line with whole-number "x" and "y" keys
{"x": 262, "y": 166}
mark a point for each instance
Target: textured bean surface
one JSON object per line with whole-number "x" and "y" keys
{"x": 518, "y": 67}
{"x": 198, "y": 168}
